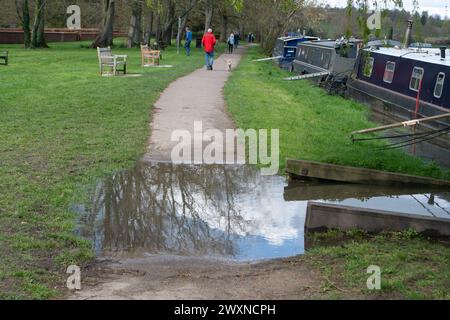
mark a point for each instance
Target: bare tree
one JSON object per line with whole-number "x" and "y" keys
{"x": 105, "y": 37}
{"x": 209, "y": 13}
{"x": 183, "y": 20}
{"x": 23, "y": 13}
{"x": 38, "y": 31}
{"x": 135, "y": 29}
{"x": 149, "y": 26}
{"x": 166, "y": 16}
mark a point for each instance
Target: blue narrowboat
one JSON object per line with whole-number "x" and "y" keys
{"x": 286, "y": 49}
{"x": 404, "y": 83}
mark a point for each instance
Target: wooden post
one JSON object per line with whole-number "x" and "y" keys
{"x": 401, "y": 124}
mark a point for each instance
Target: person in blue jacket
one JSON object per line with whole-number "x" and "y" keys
{"x": 187, "y": 44}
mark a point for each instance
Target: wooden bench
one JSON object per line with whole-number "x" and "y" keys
{"x": 112, "y": 62}
{"x": 4, "y": 57}
{"x": 150, "y": 57}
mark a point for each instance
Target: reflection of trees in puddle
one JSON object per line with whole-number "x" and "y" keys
{"x": 163, "y": 208}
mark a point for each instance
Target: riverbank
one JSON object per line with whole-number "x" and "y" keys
{"x": 313, "y": 125}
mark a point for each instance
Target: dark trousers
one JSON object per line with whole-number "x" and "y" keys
{"x": 230, "y": 48}
{"x": 187, "y": 46}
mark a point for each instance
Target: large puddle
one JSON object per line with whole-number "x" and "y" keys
{"x": 222, "y": 211}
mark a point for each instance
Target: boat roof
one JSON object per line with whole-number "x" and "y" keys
{"x": 429, "y": 55}
{"x": 383, "y": 43}
{"x": 328, "y": 43}
{"x": 297, "y": 38}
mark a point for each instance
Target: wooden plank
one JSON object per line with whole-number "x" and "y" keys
{"x": 315, "y": 190}
{"x": 409, "y": 123}
{"x": 324, "y": 171}
{"x": 320, "y": 216}
{"x": 268, "y": 59}
{"x": 307, "y": 76}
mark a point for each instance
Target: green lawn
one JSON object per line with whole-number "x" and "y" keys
{"x": 313, "y": 125}
{"x": 411, "y": 267}
{"x": 62, "y": 126}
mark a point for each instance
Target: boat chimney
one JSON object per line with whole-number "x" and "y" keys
{"x": 443, "y": 52}
{"x": 408, "y": 34}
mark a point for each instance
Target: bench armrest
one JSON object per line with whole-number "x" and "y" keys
{"x": 120, "y": 56}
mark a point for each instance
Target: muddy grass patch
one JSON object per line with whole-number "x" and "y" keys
{"x": 412, "y": 267}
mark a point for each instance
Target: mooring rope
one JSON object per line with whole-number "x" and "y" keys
{"x": 415, "y": 141}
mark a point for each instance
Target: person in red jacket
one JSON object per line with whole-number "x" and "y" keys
{"x": 209, "y": 42}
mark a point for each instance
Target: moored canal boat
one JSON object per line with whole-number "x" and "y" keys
{"x": 286, "y": 49}
{"x": 404, "y": 83}
{"x": 326, "y": 56}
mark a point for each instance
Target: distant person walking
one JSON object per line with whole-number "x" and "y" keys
{"x": 231, "y": 43}
{"x": 209, "y": 41}
{"x": 251, "y": 38}
{"x": 187, "y": 44}
{"x": 236, "y": 40}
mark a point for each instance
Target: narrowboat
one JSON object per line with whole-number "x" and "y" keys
{"x": 404, "y": 83}
{"x": 286, "y": 49}
{"x": 326, "y": 57}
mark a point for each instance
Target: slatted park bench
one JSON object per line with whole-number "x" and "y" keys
{"x": 110, "y": 61}
{"x": 4, "y": 57}
{"x": 150, "y": 57}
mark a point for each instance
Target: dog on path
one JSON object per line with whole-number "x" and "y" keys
{"x": 229, "y": 64}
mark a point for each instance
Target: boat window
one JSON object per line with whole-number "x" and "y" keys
{"x": 326, "y": 63}
{"x": 439, "y": 85}
{"x": 368, "y": 67}
{"x": 389, "y": 72}
{"x": 416, "y": 78}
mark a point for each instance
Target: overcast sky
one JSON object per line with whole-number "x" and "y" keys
{"x": 432, "y": 6}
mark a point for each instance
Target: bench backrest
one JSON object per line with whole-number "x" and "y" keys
{"x": 145, "y": 50}
{"x": 3, "y": 53}
{"x": 104, "y": 54}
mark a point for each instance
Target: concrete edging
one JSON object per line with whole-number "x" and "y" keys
{"x": 332, "y": 172}
{"x": 320, "y": 216}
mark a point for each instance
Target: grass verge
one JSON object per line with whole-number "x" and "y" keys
{"x": 316, "y": 126}
{"x": 62, "y": 127}
{"x": 313, "y": 125}
{"x": 411, "y": 266}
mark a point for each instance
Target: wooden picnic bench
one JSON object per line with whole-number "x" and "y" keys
{"x": 111, "y": 61}
{"x": 150, "y": 57}
{"x": 4, "y": 57}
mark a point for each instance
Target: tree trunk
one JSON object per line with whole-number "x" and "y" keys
{"x": 209, "y": 12}
{"x": 168, "y": 23}
{"x": 135, "y": 31}
{"x": 158, "y": 34}
{"x": 223, "y": 27}
{"x": 105, "y": 38}
{"x": 23, "y": 12}
{"x": 181, "y": 28}
{"x": 38, "y": 33}
{"x": 149, "y": 28}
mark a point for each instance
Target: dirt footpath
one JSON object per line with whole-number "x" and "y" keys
{"x": 196, "y": 97}
{"x": 183, "y": 278}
